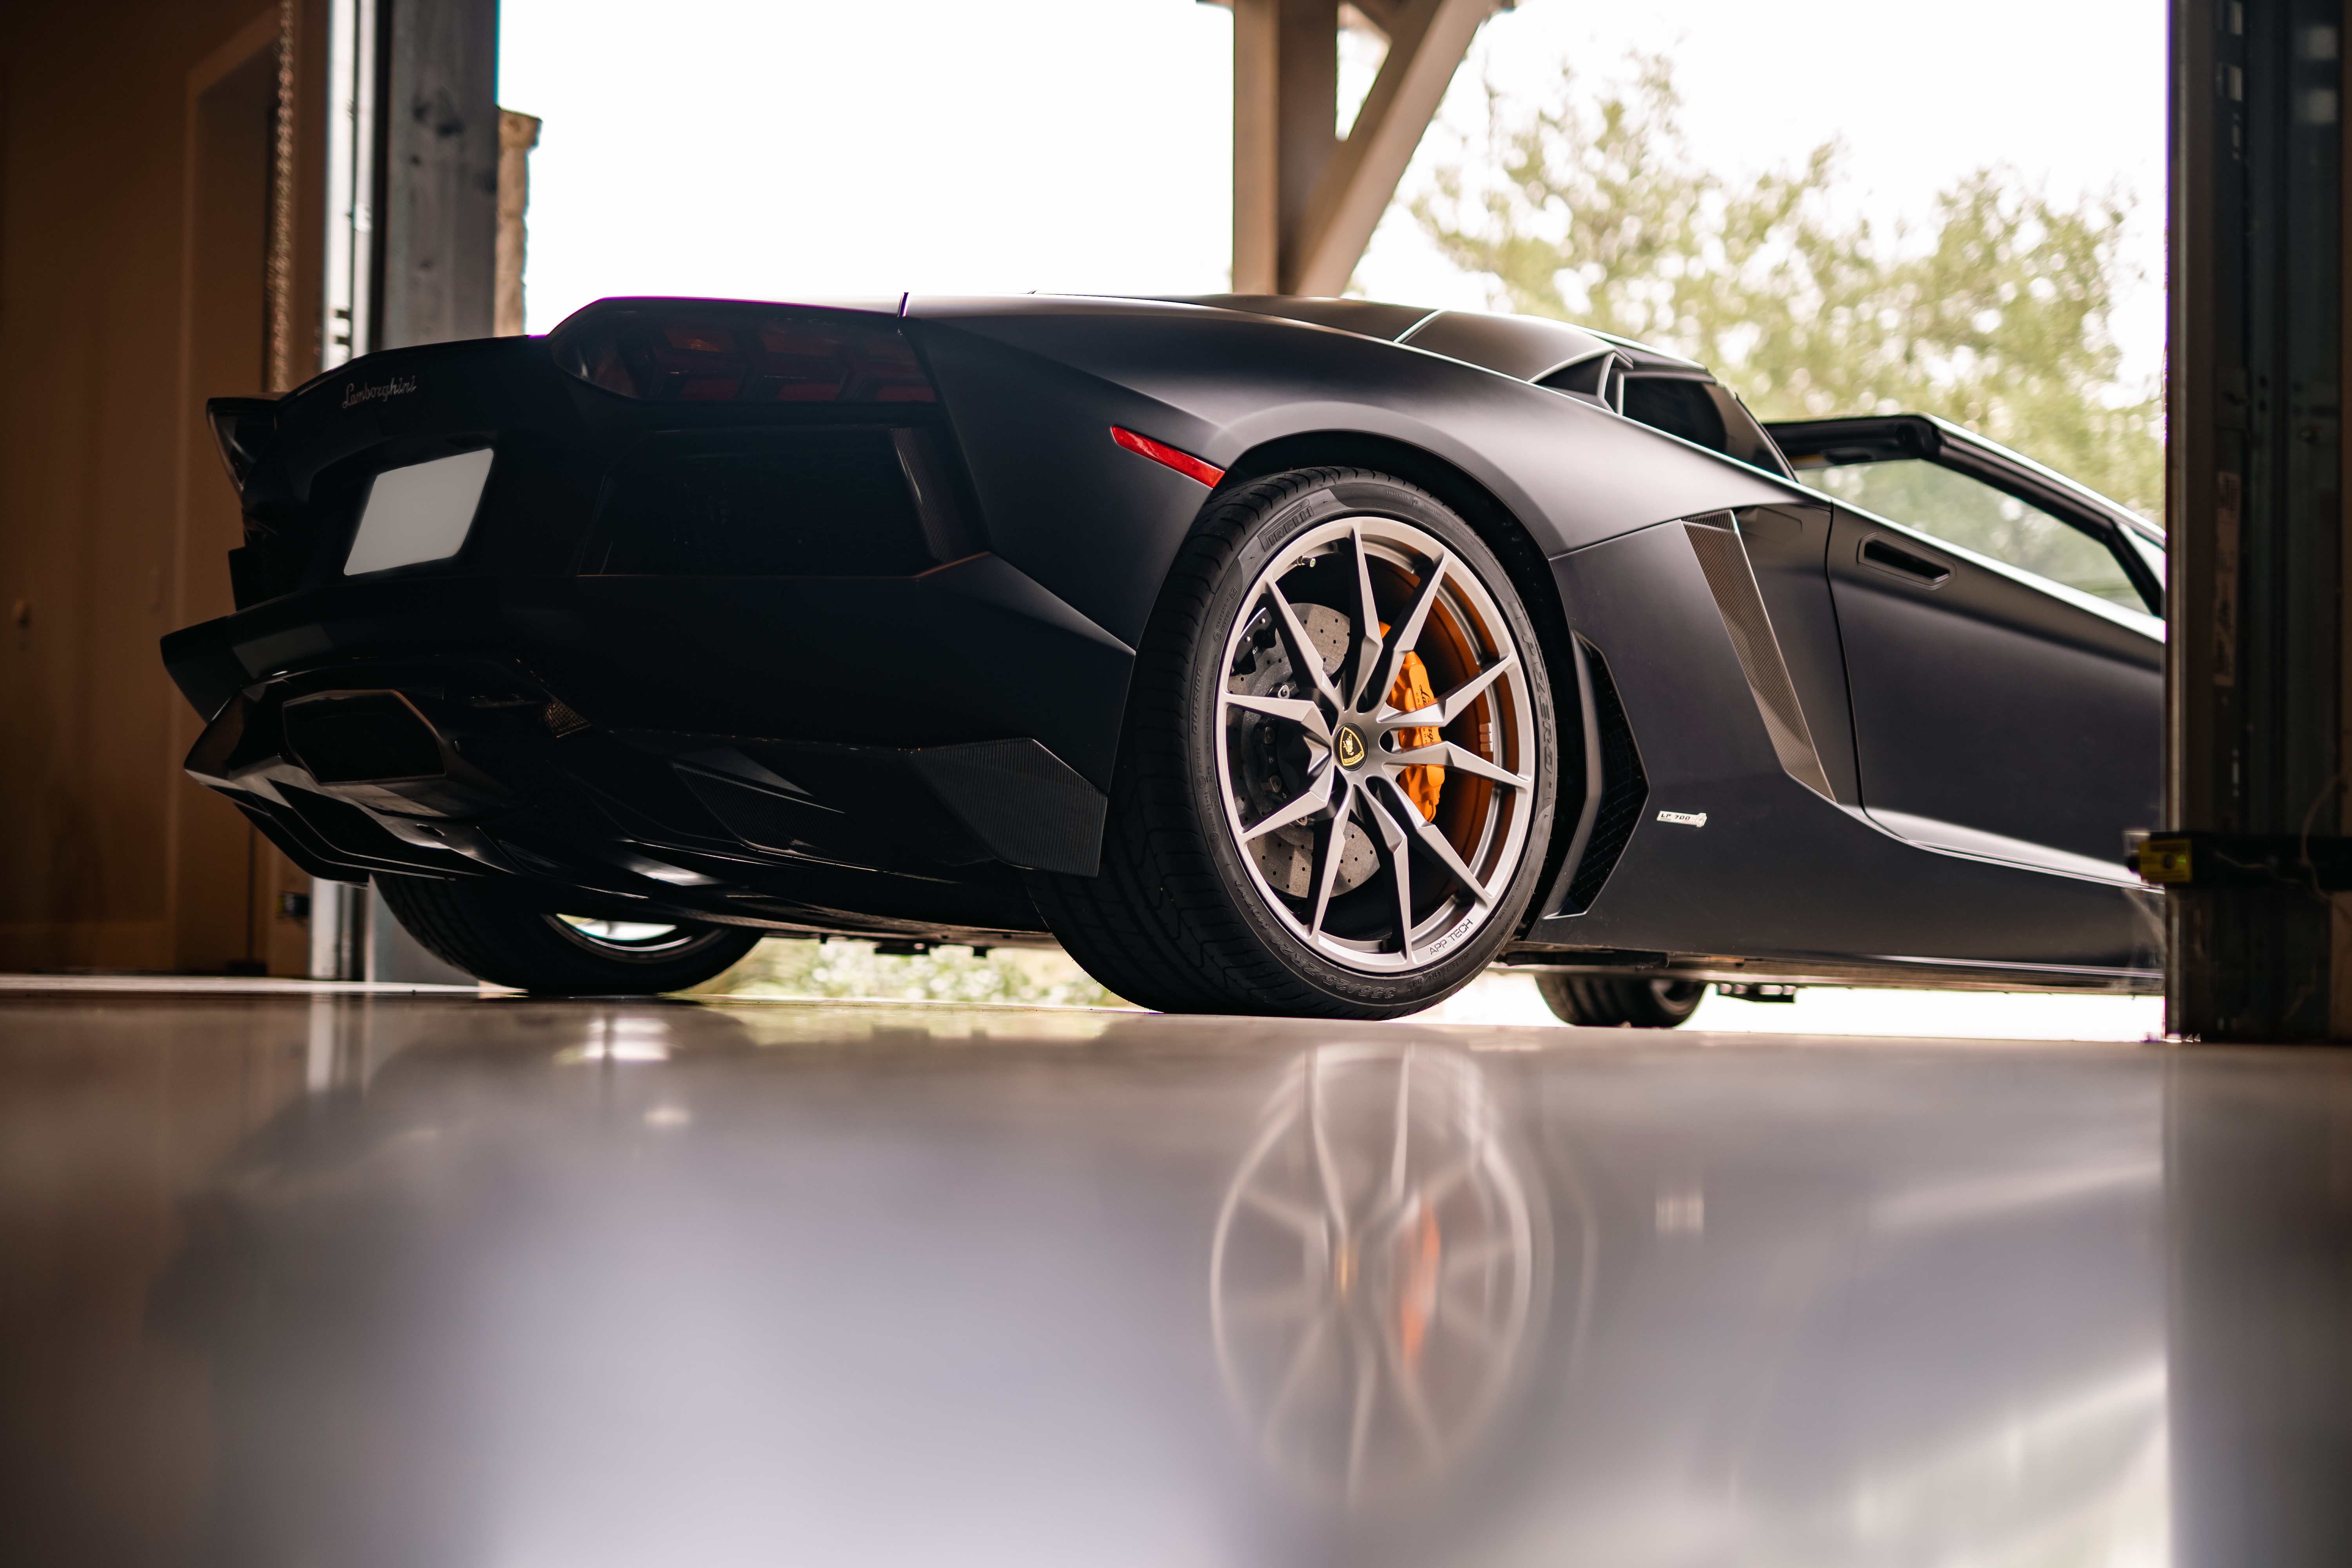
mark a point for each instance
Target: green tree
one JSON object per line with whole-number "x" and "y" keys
{"x": 1590, "y": 207}
{"x": 782, "y": 967}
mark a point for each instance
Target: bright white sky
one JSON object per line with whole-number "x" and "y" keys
{"x": 776, "y": 148}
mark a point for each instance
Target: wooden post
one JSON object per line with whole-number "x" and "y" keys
{"x": 518, "y": 135}
{"x": 439, "y": 217}
{"x": 1305, "y": 203}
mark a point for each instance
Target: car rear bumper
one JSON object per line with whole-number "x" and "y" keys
{"x": 855, "y": 754}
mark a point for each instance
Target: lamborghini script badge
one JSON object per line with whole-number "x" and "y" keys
{"x": 1350, "y": 746}
{"x": 356, "y": 392}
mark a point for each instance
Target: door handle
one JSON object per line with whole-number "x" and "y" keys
{"x": 1884, "y": 554}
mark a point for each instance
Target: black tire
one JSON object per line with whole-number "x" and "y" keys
{"x": 1182, "y": 916}
{"x": 506, "y": 943}
{"x": 1603, "y": 1001}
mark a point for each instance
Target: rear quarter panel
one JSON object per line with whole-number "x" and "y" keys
{"x": 1032, "y": 390}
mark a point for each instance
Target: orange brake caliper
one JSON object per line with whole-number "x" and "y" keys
{"x": 1422, "y": 781}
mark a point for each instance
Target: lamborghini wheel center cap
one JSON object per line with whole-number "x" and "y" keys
{"x": 1350, "y": 746}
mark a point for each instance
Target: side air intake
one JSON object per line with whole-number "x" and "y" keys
{"x": 1732, "y": 581}
{"x": 1624, "y": 789}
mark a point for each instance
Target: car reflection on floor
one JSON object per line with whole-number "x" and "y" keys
{"x": 522, "y": 1283}
{"x": 1375, "y": 1272}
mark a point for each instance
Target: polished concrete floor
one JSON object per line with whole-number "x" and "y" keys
{"x": 344, "y": 1278}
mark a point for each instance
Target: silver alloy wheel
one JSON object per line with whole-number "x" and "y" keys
{"x": 1312, "y": 751}
{"x": 632, "y": 939}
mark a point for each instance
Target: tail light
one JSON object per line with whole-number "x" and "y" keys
{"x": 698, "y": 352}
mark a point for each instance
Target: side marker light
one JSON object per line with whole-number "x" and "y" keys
{"x": 1184, "y": 463}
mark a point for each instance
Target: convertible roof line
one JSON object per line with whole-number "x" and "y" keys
{"x": 1364, "y": 318}
{"x": 1527, "y": 347}
{"x": 1524, "y": 347}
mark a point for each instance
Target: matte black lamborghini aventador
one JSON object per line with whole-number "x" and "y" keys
{"x": 1272, "y": 654}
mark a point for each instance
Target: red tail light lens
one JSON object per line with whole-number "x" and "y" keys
{"x": 694, "y": 352}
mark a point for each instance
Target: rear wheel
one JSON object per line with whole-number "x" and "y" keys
{"x": 507, "y": 943}
{"x": 1605, "y": 1001}
{"x": 1335, "y": 789}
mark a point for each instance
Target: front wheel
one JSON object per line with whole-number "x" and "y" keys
{"x": 1606, "y": 1001}
{"x": 1334, "y": 793}
{"x": 507, "y": 943}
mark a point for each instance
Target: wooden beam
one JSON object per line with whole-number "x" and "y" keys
{"x": 1257, "y": 146}
{"x": 1306, "y": 70}
{"x": 1426, "y": 46}
{"x": 437, "y": 222}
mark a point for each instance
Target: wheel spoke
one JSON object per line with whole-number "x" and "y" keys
{"x": 1431, "y": 1193}
{"x": 1399, "y": 1145}
{"x": 1303, "y": 656}
{"x": 1406, "y": 1375}
{"x": 1366, "y": 1363}
{"x": 1436, "y": 1189}
{"x": 1470, "y": 1327}
{"x": 1284, "y": 1213}
{"x": 1448, "y": 708}
{"x": 1331, "y": 848}
{"x": 1442, "y": 853}
{"x": 1312, "y": 799}
{"x": 1396, "y": 852}
{"x": 1294, "y": 1378}
{"x": 1307, "y": 716}
{"x": 1372, "y": 640}
{"x": 1327, "y": 1168}
{"x": 1463, "y": 1261}
{"x": 1272, "y": 1306}
{"x": 1446, "y": 755}
{"x": 1403, "y": 635}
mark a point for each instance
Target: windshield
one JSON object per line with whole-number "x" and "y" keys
{"x": 1973, "y": 515}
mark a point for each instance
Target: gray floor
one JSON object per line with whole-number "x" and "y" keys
{"x": 327, "y": 1277}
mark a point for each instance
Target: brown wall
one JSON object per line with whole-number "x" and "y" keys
{"x": 135, "y": 181}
